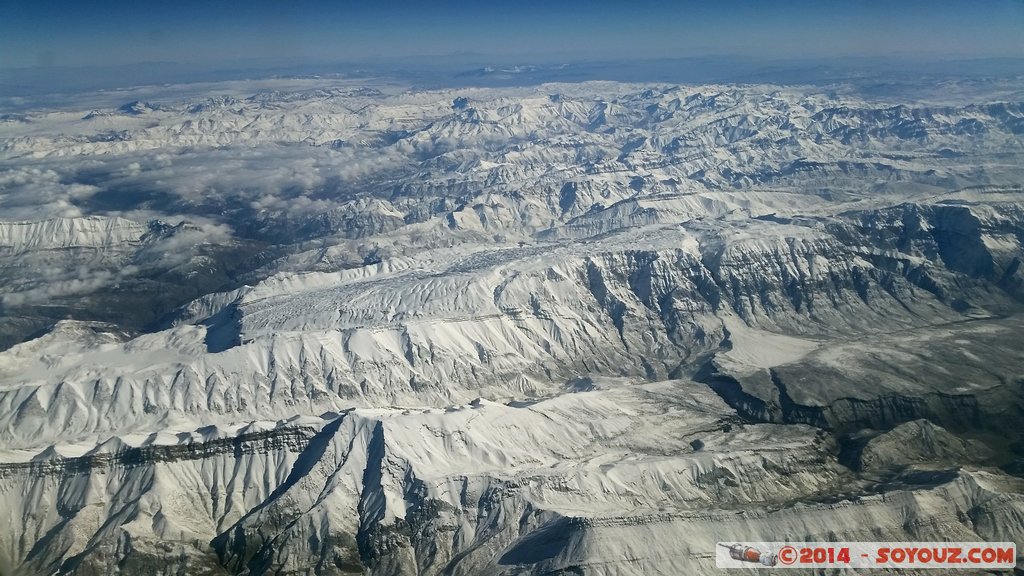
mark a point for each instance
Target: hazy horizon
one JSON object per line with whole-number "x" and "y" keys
{"x": 47, "y": 34}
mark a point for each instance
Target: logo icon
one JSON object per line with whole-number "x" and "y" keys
{"x": 753, "y": 555}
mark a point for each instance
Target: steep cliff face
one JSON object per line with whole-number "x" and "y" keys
{"x": 965, "y": 376}
{"x": 138, "y": 508}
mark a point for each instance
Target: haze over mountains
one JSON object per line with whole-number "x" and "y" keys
{"x": 331, "y": 325}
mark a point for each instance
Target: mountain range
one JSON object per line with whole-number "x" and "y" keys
{"x": 323, "y": 327}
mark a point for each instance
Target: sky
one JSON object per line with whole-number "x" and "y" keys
{"x": 46, "y": 33}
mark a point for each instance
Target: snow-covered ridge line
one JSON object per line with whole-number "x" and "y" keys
{"x": 59, "y": 233}
{"x": 117, "y": 453}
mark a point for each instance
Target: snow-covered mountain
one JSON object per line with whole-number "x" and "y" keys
{"x": 578, "y": 328}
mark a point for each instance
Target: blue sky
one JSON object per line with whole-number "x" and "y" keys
{"x": 45, "y": 32}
